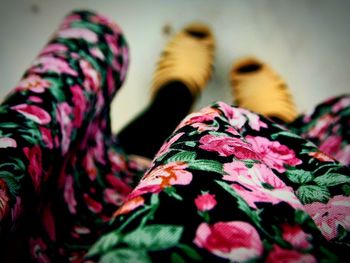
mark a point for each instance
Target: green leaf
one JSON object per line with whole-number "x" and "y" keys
{"x": 206, "y": 165}
{"x": 190, "y": 252}
{"x": 300, "y": 217}
{"x": 299, "y": 176}
{"x": 154, "y": 237}
{"x": 346, "y": 189}
{"x": 176, "y": 258}
{"x": 312, "y": 193}
{"x": 190, "y": 144}
{"x": 171, "y": 191}
{"x": 183, "y": 157}
{"x": 332, "y": 179}
{"x": 286, "y": 134}
{"x": 55, "y": 89}
{"x": 105, "y": 243}
{"x": 125, "y": 255}
{"x": 8, "y": 125}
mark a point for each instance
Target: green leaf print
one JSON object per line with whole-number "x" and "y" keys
{"x": 176, "y": 258}
{"x": 190, "y": 252}
{"x": 8, "y": 125}
{"x": 332, "y": 179}
{"x": 105, "y": 243}
{"x": 346, "y": 189}
{"x": 125, "y": 255}
{"x": 55, "y": 89}
{"x": 206, "y": 165}
{"x": 190, "y": 144}
{"x": 183, "y": 157}
{"x": 154, "y": 237}
{"x": 299, "y": 176}
{"x": 286, "y": 134}
{"x": 312, "y": 193}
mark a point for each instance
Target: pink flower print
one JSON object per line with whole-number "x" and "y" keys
{"x": 233, "y": 170}
{"x": 79, "y": 101}
{"x": 112, "y": 196}
{"x": 321, "y": 156}
{"x": 259, "y": 184}
{"x": 33, "y": 113}
{"x": 53, "y": 48}
{"x": 204, "y": 127}
{"x": 68, "y": 194}
{"x": 237, "y": 117}
{"x": 74, "y": 33}
{"x": 110, "y": 81}
{"x": 205, "y": 202}
{"x": 34, "y": 157}
{"x": 97, "y": 53}
{"x": 236, "y": 241}
{"x": 320, "y": 128}
{"x": 272, "y": 153}
{"x": 93, "y": 205}
{"x": 343, "y": 155}
{"x": 341, "y": 104}
{"x": 130, "y": 205}
{"x": 331, "y": 145}
{"x": 166, "y": 145}
{"x": 278, "y": 254}
{"x": 204, "y": 115}
{"x": 296, "y": 236}
{"x": 4, "y": 200}
{"x": 227, "y": 146}
{"x": 38, "y": 250}
{"x": 7, "y": 142}
{"x": 163, "y": 176}
{"x": 112, "y": 41}
{"x": 48, "y": 63}
{"x": 92, "y": 79}
{"x": 63, "y": 113}
{"x": 46, "y": 137}
{"x": 49, "y": 223}
{"x": 89, "y": 166}
{"x": 35, "y": 99}
{"x": 118, "y": 185}
{"x": 33, "y": 83}
{"x": 329, "y": 216}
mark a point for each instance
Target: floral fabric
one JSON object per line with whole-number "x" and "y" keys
{"x": 227, "y": 185}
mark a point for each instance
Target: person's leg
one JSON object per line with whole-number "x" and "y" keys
{"x": 146, "y": 133}
{"x": 182, "y": 72}
{"x": 60, "y": 180}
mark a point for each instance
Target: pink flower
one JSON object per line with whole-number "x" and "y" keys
{"x": 53, "y": 48}
{"x": 111, "y": 81}
{"x": 331, "y": 145}
{"x": 341, "y": 104}
{"x": 49, "y": 223}
{"x": 274, "y": 154}
{"x": 343, "y": 155}
{"x": 46, "y": 137}
{"x": 204, "y": 115}
{"x": 112, "y": 41}
{"x": 227, "y": 146}
{"x": 97, "y": 53}
{"x": 38, "y": 250}
{"x": 205, "y": 202}
{"x": 259, "y": 184}
{"x": 79, "y": 101}
{"x": 118, "y": 185}
{"x": 34, "y": 157}
{"x": 92, "y": 78}
{"x": 89, "y": 166}
{"x": 35, "y": 99}
{"x": 112, "y": 196}
{"x": 237, "y": 117}
{"x": 83, "y": 33}
{"x": 278, "y": 254}
{"x": 7, "y": 142}
{"x": 321, "y": 126}
{"x": 47, "y": 63}
{"x": 163, "y": 176}
{"x": 68, "y": 194}
{"x": 237, "y": 241}
{"x": 4, "y": 200}
{"x": 93, "y": 205}
{"x": 130, "y": 205}
{"x": 296, "y": 236}
{"x": 63, "y": 112}
{"x": 329, "y": 216}
{"x": 33, "y": 83}
{"x": 33, "y": 113}
{"x": 166, "y": 145}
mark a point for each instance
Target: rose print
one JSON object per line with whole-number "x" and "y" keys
{"x": 278, "y": 254}
{"x": 33, "y": 113}
{"x": 33, "y": 83}
{"x": 34, "y": 157}
{"x": 237, "y": 241}
{"x": 205, "y": 202}
{"x": 296, "y": 236}
{"x": 6, "y": 142}
{"x": 130, "y": 205}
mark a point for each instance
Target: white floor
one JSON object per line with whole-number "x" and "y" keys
{"x": 307, "y": 41}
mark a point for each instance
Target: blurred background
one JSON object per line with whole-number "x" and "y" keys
{"x": 306, "y": 41}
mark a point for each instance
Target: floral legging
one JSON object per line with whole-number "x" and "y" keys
{"x": 227, "y": 185}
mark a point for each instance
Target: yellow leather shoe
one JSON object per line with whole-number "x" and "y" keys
{"x": 257, "y": 87}
{"x": 188, "y": 58}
